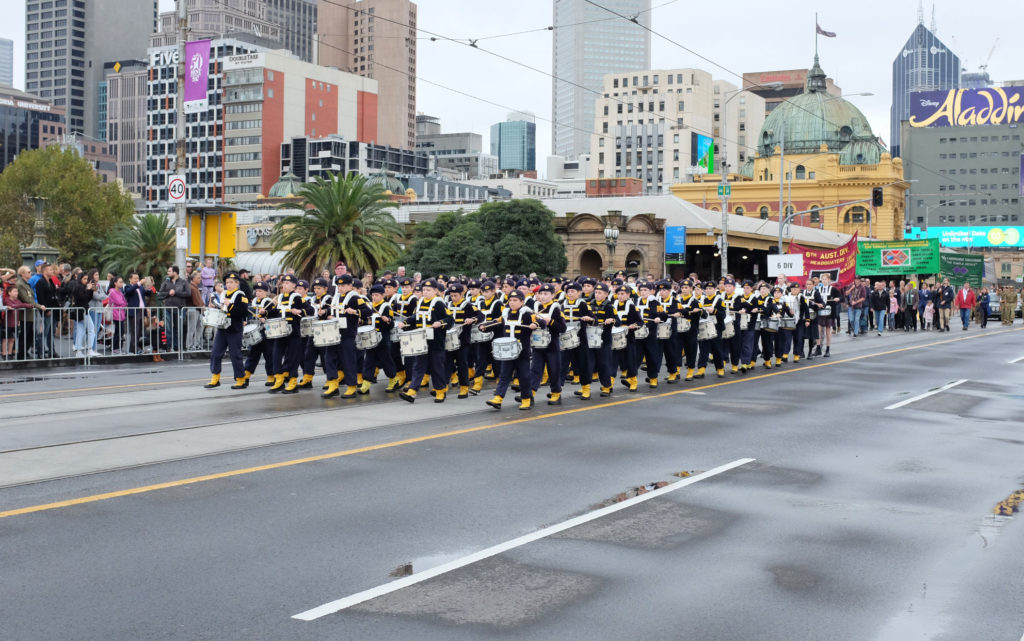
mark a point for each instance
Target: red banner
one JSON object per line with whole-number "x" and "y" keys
{"x": 839, "y": 263}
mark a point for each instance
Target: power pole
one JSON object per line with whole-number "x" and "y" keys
{"x": 180, "y": 216}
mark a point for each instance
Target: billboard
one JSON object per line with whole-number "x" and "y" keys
{"x": 675, "y": 245}
{"x": 706, "y": 153}
{"x": 972, "y": 236}
{"x": 896, "y": 257}
{"x": 839, "y": 263}
{"x": 967, "y": 107}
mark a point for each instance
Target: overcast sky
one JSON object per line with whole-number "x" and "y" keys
{"x": 740, "y": 35}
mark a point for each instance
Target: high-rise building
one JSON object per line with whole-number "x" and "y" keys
{"x": 648, "y": 125}
{"x": 25, "y": 122}
{"x": 66, "y": 44}
{"x": 456, "y": 155}
{"x": 257, "y": 101}
{"x": 923, "y": 64}
{"x": 126, "y": 129}
{"x": 245, "y": 20}
{"x": 792, "y": 83}
{"x": 376, "y": 39}
{"x": 589, "y": 43}
{"x": 297, "y": 19}
{"x": 514, "y": 142}
{"x": 6, "y": 62}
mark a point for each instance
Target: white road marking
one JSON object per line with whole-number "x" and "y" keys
{"x": 387, "y": 588}
{"x": 1016, "y": 360}
{"x": 926, "y": 394}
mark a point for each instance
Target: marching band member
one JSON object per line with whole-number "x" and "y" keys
{"x": 792, "y": 301}
{"x": 574, "y": 309}
{"x": 230, "y": 338}
{"x": 629, "y": 359}
{"x": 806, "y": 327}
{"x": 260, "y": 305}
{"x": 309, "y": 351}
{"x": 670, "y": 347}
{"x": 732, "y": 346}
{"x": 651, "y": 315}
{"x": 351, "y": 307}
{"x": 380, "y": 356}
{"x": 767, "y": 337}
{"x": 829, "y": 299}
{"x": 776, "y": 309}
{"x": 430, "y": 314}
{"x": 747, "y": 309}
{"x": 288, "y": 350}
{"x": 603, "y": 314}
{"x": 549, "y": 315}
{"x": 712, "y": 307}
{"x": 690, "y": 309}
{"x": 516, "y": 322}
{"x": 464, "y": 314}
{"x": 402, "y": 304}
{"x": 490, "y": 307}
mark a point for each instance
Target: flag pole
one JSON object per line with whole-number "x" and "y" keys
{"x": 815, "y": 34}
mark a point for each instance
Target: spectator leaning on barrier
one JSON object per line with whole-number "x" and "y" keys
{"x": 965, "y": 303}
{"x": 118, "y": 312}
{"x": 11, "y": 306}
{"x": 135, "y": 295}
{"x": 175, "y": 293}
{"x": 46, "y": 295}
{"x": 27, "y": 324}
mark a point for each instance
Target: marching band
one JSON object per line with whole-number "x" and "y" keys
{"x": 521, "y": 333}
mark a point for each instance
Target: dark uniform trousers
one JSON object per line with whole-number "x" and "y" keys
{"x": 288, "y": 353}
{"x": 688, "y": 340}
{"x": 225, "y": 340}
{"x": 430, "y": 363}
{"x": 379, "y": 357}
{"x": 749, "y": 337}
{"x": 518, "y": 368}
{"x": 629, "y": 358}
{"x": 768, "y": 344}
{"x": 604, "y": 358}
{"x": 670, "y": 350}
{"x": 550, "y": 356}
{"x": 579, "y": 359}
{"x": 458, "y": 360}
{"x": 732, "y": 348}
{"x": 345, "y": 353}
{"x": 712, "y": 348}
{"x": 484, "y": 358}
{"x": 309, "y": 355}
{"x": 784, "y": 343}
{"x": 262, "y": 349}
{"x": 649, "y": 349}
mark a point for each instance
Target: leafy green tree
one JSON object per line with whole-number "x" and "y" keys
{"x": 343, "y": 218}
{"x": 454, "y": 242}
{"x": 145, "y": 245}
{"x": 80, "y": 207}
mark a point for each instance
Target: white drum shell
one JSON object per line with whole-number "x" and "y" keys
{"x": 478, "y": 336}
{"x": 506, "y": 349}
{"x": 595, "y": 336}
{"x": 619, "y": 338}
{"x": 215, "y": 317}
{"x": 326, "y": 332}
{"x": 453, "y": 339}
{"x": 277, "y": 328}
{"x": 682, "y": 325}
{"x": 306, "y": 326}
{"x": 251, "y": 335}
{"x": 367, "y": 337}
{"x": 664, "y": 331}
{"x": 540, "y": 339}
{"x": 641, "y": 333}
{"x": 706, "y": 330}
{"x": 414, "y": 342}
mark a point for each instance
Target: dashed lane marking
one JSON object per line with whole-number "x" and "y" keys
{"x": 430, "y": 437}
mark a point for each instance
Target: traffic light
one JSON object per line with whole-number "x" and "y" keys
{"x": 876, "y": 197}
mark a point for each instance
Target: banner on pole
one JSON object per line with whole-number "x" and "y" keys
{"x": 895, "y": 257}
{"x": 197, "y": 70}
{"x": 839, "y": 263}
{"x": 962, "y": 268}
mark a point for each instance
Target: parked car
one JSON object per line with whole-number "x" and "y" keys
{"x": 994, "y": 306}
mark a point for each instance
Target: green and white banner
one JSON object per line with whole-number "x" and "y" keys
{"x": 963, "y": 268}
{"x": 896, "y": 257}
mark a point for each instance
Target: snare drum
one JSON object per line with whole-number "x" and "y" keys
{"x": 394, "y": 331}
{"x": 215, "y": 317}
{"x": 478, "y": 336}
{"x": 414, "y": 342}
{"x": 682, "y": 325}
{"x": 789, "y": 322}
{"x": 251, "y": 335}
{"x": 772, "y": 324}
{"x": 825, "y": 311}
{"x": 453, "y": 339}
{"x": 744, "y": 322}
{"x": 595, "y": 334}
{"x": 664, "y": 331}
{"x": 277, "y": 328}
{"x": 367, "y": 337}
{"x": 306, "y": 326}
{"x": 728, "y": 331}
{"x": 706, "y": 329}
{"x": 619, "y": 338}
{"x": 506, "y": 349}
{"x": 540, "y": 339}
{"x": 641, "y": 333}
{"x": 570, "y": 339}
{"x": 327, "y": 332}
{"x": 811, "y": 313}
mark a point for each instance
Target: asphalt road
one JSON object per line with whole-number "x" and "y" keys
{"x": 135, "y": 505}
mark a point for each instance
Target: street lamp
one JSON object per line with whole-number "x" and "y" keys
{"x": 611, "y": 238}
{"x": 724, "y": 191}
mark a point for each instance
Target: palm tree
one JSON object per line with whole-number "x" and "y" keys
{"x": 343, "y": 218}
{"x": 145, "y": 245}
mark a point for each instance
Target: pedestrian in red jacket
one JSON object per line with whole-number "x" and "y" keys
{"x": 965, "y": 303}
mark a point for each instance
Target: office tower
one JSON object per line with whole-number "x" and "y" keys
{"x": 26, "y": 121}
{"x": 589, "y": 43}
{"x": 924, "y": 63}
{"x": 66, "y": 44}
{"x": 456, "y": 155}
{"x": 297, "y": 19}
{"x": 244, "y": 20}
{"x": 514, "y": 142}
{"x": 127, "y": 91}
{"x": 6, "y": 62}
{"x": 376, "y": 39}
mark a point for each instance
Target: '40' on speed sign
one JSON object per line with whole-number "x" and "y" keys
{"x": 176, "y": 189}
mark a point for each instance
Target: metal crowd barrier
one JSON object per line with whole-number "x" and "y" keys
{"x": 101, "y": 333}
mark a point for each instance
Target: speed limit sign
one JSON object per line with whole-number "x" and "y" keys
{"x": 176, "y": 188}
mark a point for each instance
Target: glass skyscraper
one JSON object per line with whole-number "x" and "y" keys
{"x": 515, "y": 143}
{"x": 590, "y": 42}
{"x": 923, "y": 64}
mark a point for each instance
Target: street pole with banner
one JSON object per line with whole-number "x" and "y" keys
{"x": 724, "y": 191}
{"x": 180, "y": 216}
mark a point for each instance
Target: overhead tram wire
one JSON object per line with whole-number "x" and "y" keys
{"x": 740, "y": 76}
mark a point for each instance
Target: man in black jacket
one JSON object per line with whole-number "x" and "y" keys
{"x": 176, "y": 293}
{"x": 46, "y": 295}
{"x": 879, "y": 300}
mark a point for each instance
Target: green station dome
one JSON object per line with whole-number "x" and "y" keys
{"x": 815, "y": 118}
{"x": 287, "y": 185}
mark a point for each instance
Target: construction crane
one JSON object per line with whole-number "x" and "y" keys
{"x": 983, "y": 67}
